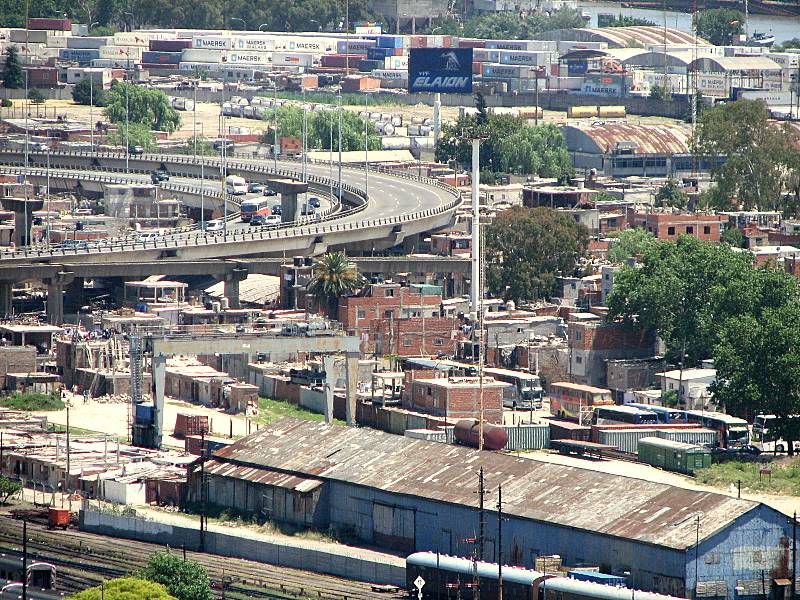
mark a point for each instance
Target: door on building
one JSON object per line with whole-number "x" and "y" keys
{"x": 393, "y": 527}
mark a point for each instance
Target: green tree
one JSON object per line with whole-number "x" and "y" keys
{"x": 625, "y": 21}
{"x": 334, "y": 277}
{"x": 758, "y": 366}
{"x": 186, "y": 580}
{"x": 733, "y": 236}
{"x": 8, "y": 487}
{"x": 759, "y": 154}
{"x": 630, "y": 243}
{"x": 138, "y": 135}
{"x": 660, "y": 92}
{"x": 204, "y": 147}
{"x": 149, "y": 107}
{"x": 510, "y": 25}
{"x": 85, "y": 93}
{"x": 125, "y": 588}
{"x": 788, "y": 45}
{"x": 685, "y": 291}
{"x": 36, "y": 96}
{"x": 526, "y": 249}
{"x": 720, "y": 25}
{"x": 318, "y": 129}
{"x": 671, "y": 195}
{"x": 13, "y": 78}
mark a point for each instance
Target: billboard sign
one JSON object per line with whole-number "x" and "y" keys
{"x": 442, "y": 70}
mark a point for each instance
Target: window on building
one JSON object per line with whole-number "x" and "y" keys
{"x": 670, "y": 231}
{"x": 707, "y": 229}
{"x": 578, "y": 336}
{"x": 429, "y": 391}
{"x": 388, "y": 293}
{"x": 438, "y": 342}
{"x": 362, "y": 314}
{"x": 407, "y": 342}
{"x": 387, "y": 314}
{"x": 579, "y": 359}
{"x": 690, "y": 229}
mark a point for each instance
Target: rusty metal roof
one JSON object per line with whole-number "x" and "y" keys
{"x": 574, "y": 497}
{"x": 258, "y": 475}
{"x": 665, "y": 139}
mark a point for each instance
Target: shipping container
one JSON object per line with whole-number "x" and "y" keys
{"x": 240, "y": 57}
{"x": 190, "y": 425}
{"x": 132, "y": 53}
{"x": 161, "y": 58}
{"x": 673, "y": 456}
{"x": 700, "y": 437}
{"x": 42, "y": 76}
{"x": 79, "y": 56}
{"x": 202, "y": 56}
{"x": 368, "y": 66}
{"x": 354, "y": 46}
{"x": 255, "y": 43}
{"x": 169, "y": 45}
{"x": 525, "y": 57}
{"x": 471, "y": 43}
{"x": 306, "y": 44}
{"x": 624, "y": 440}
{"x": 564, "y": 430}
{"x": 213, "y": 42}
{"x": 57, "y": 41}
{"x": 527, "y": 437}
{"x": 395, "y": 62}
{"x": 483, "y": 55}
{"x": 22, "y": 36}
{"x": 429, "y": 435}
{"x": 298, "y": 59}
{"x": 138, "y": 38}
{"x": 49, "y": 24}
{"x": 341, "y": 61}
{"x": 395, "y": 143}
{"x": 87, "y": 43}
{"x": 391, "y": 41}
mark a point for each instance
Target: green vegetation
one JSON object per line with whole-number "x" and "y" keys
{"x": 6, "y": 103}
{"x": 733, "y": 236}
{"x": 125, "y": 588}
{"x": 142, "y": 105}
{"x": 334, "y": 277}
{"x": 660, "y": 92}
{"x": 272, "y": 410}
{"x": 318, "y": 129}
{"x": 527, "y": 248}
{"x": 13, "y": 78}
{"x": 788, "y": 45}
{"x": 322, "y": 97}
{"x": 36, "y": 96}
{"x": 185, "y": 580}
{"x": 785, "y": 477}
{"x": 671, "y": 195}
{"x": 8, "y": 487}
{"x": 720, "y": 25}
{"x": 761, "y": 160}
{"x": 138, "y": 135}
{"x": 85, "y": 93}
{"x": 509, "y": 145}
{"x": 631, "y": 243}
{"x": 510, "y": 25}
{"x": 625, "y": 21}
{"x": 32, "y": 401}
{"x": 204, "y": 147}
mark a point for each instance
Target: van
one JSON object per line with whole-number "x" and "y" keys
{"x": 215, "y": 226}
{"x": 235, "y": 185}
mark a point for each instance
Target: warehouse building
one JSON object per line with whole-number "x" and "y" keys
{"x": 412, "y": 495}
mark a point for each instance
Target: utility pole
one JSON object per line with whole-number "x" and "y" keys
{"x": 794, "y": 554}
{"x": 24, "y": 559}
{"x": 696, "y": 556}
{"x": 500, "y": 542}
{"x": 203, "y": 518}
{"x": 66, "y": 477}
{"x": 481, "y": 515}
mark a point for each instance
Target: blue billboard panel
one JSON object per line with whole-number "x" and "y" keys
{"x": 443, "y": 70}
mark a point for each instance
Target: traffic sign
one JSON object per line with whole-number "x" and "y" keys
{"x": 419, "y": 582}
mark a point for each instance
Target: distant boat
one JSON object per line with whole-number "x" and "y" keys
{"x": 761, "y": 40}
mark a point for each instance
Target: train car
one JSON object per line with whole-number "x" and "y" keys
{"x": 452, "y": 577}
{"x": 12, "y": 590}
{"x": 40, "y": 574}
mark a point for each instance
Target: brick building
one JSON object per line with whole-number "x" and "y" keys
{"x": 405, "y": 321}
{"x": 668, "y": 226}
{"x": 451, "y": 243}
{"x": 592, "y": 342}
{"x": 457, "y": 397}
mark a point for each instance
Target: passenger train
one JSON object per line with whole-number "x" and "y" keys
{"x": 41, "y": 578}
{"x": 454, "y": 577}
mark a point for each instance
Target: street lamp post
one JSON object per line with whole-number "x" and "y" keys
{"x": 340, "y": 144}
{"x": 241, "y": 20}
{"x": 366, "y": 144}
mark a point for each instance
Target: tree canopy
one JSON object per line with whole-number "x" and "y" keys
{"x": 318, "y": 128}
{"x": 759, "y": 155}
{"x": 630, "y": 243}
{"x": 627, "y": 21}
{"x": 85, "y": 93}
{"x": 510, "y": 145}
{"x": 143, "y": 105}
{"x": 185, "y": 580}
{"x": 125, "y": 588}
{"x": 138, "y": 135}
{"x": 334, "y": 276}
{"x": 527, "y": 248}
{"x": 13, "y": 78}
{"x": 720, "y": 25}
{"x": 671, "y": 195}
{"x": 510, "y": 25}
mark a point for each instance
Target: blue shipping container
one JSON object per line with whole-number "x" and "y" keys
{"x": 78, "y": 55}
{"x": 390, "y": 41}
{"x": 596, "y": 577}
{"x": 144, "y": 413}
{"x": 378, "y": 53}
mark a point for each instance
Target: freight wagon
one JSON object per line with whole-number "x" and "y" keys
{"x": 673, "y": 456}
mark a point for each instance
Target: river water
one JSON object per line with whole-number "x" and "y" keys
{"x": 783, "y": 28}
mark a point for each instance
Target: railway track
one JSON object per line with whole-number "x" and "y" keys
{"x": 84, "y": 560}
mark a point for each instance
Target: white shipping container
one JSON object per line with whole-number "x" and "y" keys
{"x": 109, "y": 63}
{"x": 484, "y": 55}
{"x": 57, "y": 41}
{"x": 139, "y": 38}
{"x": 304, "y": 44}
{"x": 422, "y": 142}
{"x": 133, "y": 53}
{"x": 297, "y": 59}
{"x": 88, "y": 43}
{"x": 202, "y": 56}
{"x": 260, "y": 43}
{"x": 354, "y": 46}
{"x": 525, "y": 57}
{"x": 213, "y": 42}
{"x": 395, "y": 62}
{"x": 394, "y": 74}
{"x": 241, "y": 57}
{"x": 20, "y": 36}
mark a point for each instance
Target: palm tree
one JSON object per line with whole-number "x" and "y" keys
{"x": 334, "y": 277}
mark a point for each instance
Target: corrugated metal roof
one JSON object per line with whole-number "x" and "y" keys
{"x": 579, "y": 498}
{"x": 256, "y": 475}
{"x": 624, "y": 36}
{"x": 649, "y": 139}
{"x": 736, "y": 63}
{"x": 255, "y": 289}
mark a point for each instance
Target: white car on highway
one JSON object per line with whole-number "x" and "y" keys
{"x": 215, "y": 225}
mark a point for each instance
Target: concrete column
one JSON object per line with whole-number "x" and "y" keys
{"x": 231, "y": 287}
{"x": 290, "y": 208}
{"x": 159, "y": 366}
{"x": 6, "y": 296}
{"x": 352, "y": 387}
{"x": 330, "y": 382}
{"x": 55, "y": 296}
{"x": 23, "y": 217}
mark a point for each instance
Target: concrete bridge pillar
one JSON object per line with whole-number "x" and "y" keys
{"x": 289, "y": 190}
{"x": 74, "y": 296}
{"x": 6, "y": 296}
{"x": 351, "y": 368}
{"x": 23, "y": 217}
{"x": 55, "y": 296}
{"x": 231, "y": 287}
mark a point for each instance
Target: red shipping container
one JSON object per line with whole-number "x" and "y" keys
{"x": 152, "y": 66}
{"x": 477, "y": 68}
{"x": 190, "y": 425}
{"x": 43, "y": 24}
{"x": 43, "y": 76}
{"x": 419, "y": 41}
{"x": 169, "y": 45}
{"x": 464, "y": 43}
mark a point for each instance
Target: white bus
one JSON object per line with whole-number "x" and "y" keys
{"x": 623, "y": 415}
{"x": 529, "y": 386}
{"x": 235, "y": 185}
{"x": 766, "y": 439}
{"x": 732, "y": 432}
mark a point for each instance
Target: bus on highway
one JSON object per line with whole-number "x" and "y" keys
{"x": 529, "y": 386}
{"x": 767, "y": 439}
{"x": 732, "y": 432}
{"x": 252, "y": 207}
{"x": 665, "y": 414}
{"x": 576, "y": 402}
{"x": 623, "y": 415}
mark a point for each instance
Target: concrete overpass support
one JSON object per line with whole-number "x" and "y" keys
{"x": 55, "y": 296}
{"x": 351, "y": 367}
{"x": 231, "y": 287}
{"x": 159, "y": 373}
{"x": 23, "y": 217}
{"x": 6, "y": 296}
{"x": 74, "y": 297}
{"x": 328, "y": 365}
{"x": 289, "y": 190}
